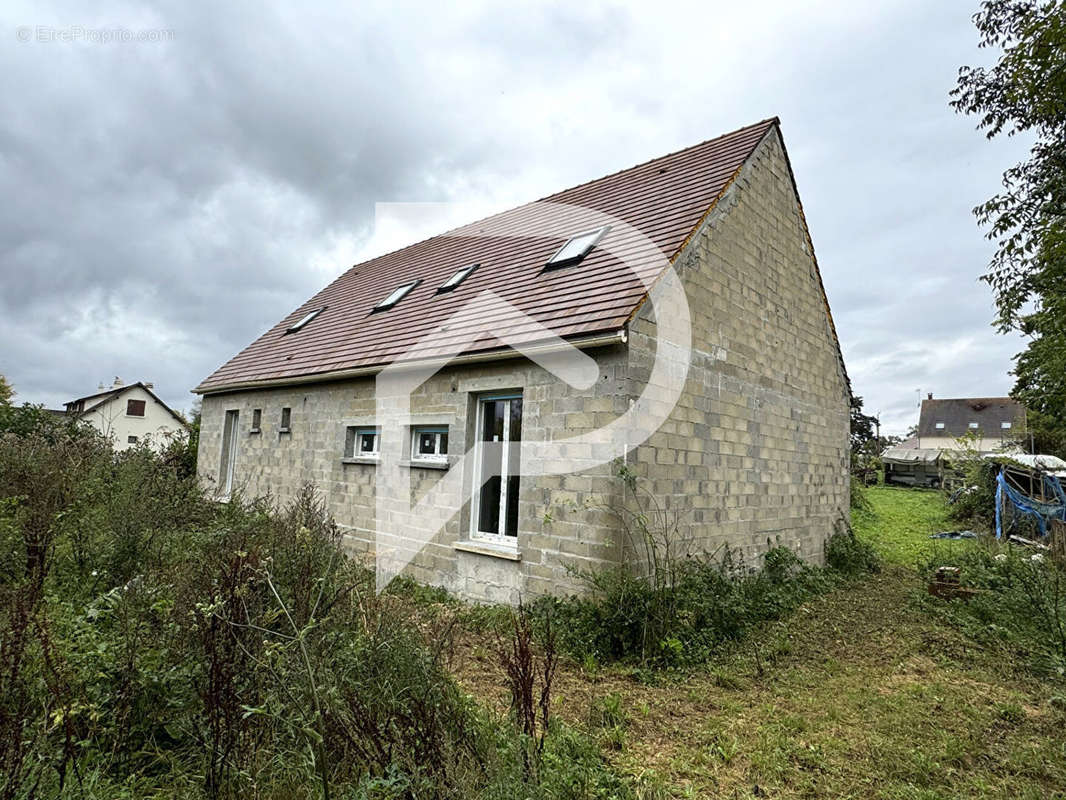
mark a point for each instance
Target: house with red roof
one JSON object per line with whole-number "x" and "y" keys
{"x": 465, "y": 405}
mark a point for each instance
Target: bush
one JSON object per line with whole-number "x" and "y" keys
{"x": 849, "y": 555}
{"x": 153, "y": 643}
{"x": 1019, "y": 608}
{"x": 625, "y": 617}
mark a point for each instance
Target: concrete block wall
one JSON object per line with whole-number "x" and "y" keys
{"x": 756, "y": 451}
{"x": 578, "y": 537}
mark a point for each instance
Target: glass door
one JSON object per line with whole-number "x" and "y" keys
{"x": 499, "y": 439}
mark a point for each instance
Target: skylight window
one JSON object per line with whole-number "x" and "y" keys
{"x": 457, "y": 278}
{"x": 397, "y": 295}
{"x": 576, "y": 248}
{"x": 304, "y": 320}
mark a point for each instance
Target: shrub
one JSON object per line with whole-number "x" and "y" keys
{"x": 1020, "y": 606}
{"x": 849, "y": 555}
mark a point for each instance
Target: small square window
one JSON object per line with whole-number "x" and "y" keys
{"x": 429, "y": 444}
{"x": 974, "y": 426}
{"x": 257, "y": 419}
{"x": 286, "y": 420}
{"x": 135, "y": 408}
{"x": 940, "y": 426}
{"x": 131, "y": 440}
{"x": 362, "y": 442}
{"x": 1005, "y": 426}
{"x": 397, "y": 295}
{"x": 576, "y": 248}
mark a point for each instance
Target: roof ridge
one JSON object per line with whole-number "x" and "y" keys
{"x": 451, "y": 231}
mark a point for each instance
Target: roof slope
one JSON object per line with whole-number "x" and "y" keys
{"x": 957, "y": 413}
{"x": 665, "y": 199}
{"x": 106, "y": 396}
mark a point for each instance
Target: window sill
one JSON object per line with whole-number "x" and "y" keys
{"x": 370, "y": 461}
{"x": 489, "y": 549}
{"x": 252, "y": 431}
{"x": 416, "y": 464}
{"x": 284, "y": 430}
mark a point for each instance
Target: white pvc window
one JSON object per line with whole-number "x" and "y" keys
{"x": 940, "y": 426}
{"x": 576, "y": 248}
{"x": 973, "y": 426}
{"x": 457, "y": 278}
{"x": 429, "y": 444}
{"x": 397, "y": 295}
{"x": 1005, "y": 426}
{"x": 497, "y": 456}
{"x": 362, "y": 442}
{"x": 304, "y": 320}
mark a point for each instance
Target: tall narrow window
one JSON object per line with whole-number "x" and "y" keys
{"x": 229, "y": 452}
{"x": 457, "y": 278}
{"x": 286, "y": 420}
{"x": 135, "y": 408}
{"x": 576, "y": 248}
{"x": 495, "y": 508}
{"x": 257, "y": 419}
{"x": 397, "y": 295}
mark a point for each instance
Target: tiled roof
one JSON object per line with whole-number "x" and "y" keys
{"x": 665, "y": 199}
{"x": 957, "y": 413}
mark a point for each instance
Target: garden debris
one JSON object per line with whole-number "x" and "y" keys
{"x": 947, "y": 584}
{"x": 1015, "y": 539}
{"x": 954, "y": 535}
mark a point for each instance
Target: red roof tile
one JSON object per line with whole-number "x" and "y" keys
{"x": 665, "y": 199}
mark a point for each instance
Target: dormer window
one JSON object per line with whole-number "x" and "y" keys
{"x": 397, "y": 295}
{"x": 304, "y": 320}
{"x": 457, "y": 278}
{"x": 576, "y": 248}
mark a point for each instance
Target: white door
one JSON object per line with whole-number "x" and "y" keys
{"x": 499, "y": 436}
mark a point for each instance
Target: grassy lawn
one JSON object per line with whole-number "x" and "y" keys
{"x": 900, "y": 521}
{"x": 860, "y": 694}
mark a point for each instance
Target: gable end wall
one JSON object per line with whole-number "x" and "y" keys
{"x": 756, "y": 453}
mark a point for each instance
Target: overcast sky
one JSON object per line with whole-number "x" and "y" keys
{"x": 169, "y": 197}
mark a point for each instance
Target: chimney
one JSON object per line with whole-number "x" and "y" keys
{"x": 118, "y": 382}
{"x": 930, "y": 395}
{"x": 148, "y": 384}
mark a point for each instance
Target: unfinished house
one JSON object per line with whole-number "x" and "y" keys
{"x": 751, "y": 451}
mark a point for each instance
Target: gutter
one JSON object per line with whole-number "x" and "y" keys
{"x": 619, "y": 336}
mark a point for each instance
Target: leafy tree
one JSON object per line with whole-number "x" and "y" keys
{"x": 1025, "y": 92}
{"x": 6, "y": 392}
{"x": 863, "y": 427}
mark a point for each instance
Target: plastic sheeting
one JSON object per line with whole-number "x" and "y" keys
{"x": 1040, "y": 511}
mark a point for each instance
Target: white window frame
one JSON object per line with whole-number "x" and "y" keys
{"x": 974, "y": 426}
{"x": 352, "y": 434}
{"x": 476, "y": 534}
{"x": 940, "y": 426}
{"x": 304, "y": 320}
{"x": 396, "y": 295}
{"x": 230, "y": 427}
{"x": 594, "y": 236}
{"x": 434, "y": 458}
{"x": 1006, "y": 426}
{"x": 457, "y": 278}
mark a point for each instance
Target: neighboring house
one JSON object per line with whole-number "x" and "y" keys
{"x": 989, "y": 424}
{"x": 129, "y": 415}
{"x": 755, "y": 452}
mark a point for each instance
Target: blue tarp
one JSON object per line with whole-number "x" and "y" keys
{"x": 1041, "y": 511}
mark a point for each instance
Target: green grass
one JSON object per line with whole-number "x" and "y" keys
{"x": 900, "y": 521}
{"x": 861, "y": 693}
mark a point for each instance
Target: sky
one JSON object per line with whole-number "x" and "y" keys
{"x": 177, "y": 177}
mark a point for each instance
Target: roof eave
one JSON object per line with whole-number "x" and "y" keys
{"x": 618, "y": 336}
